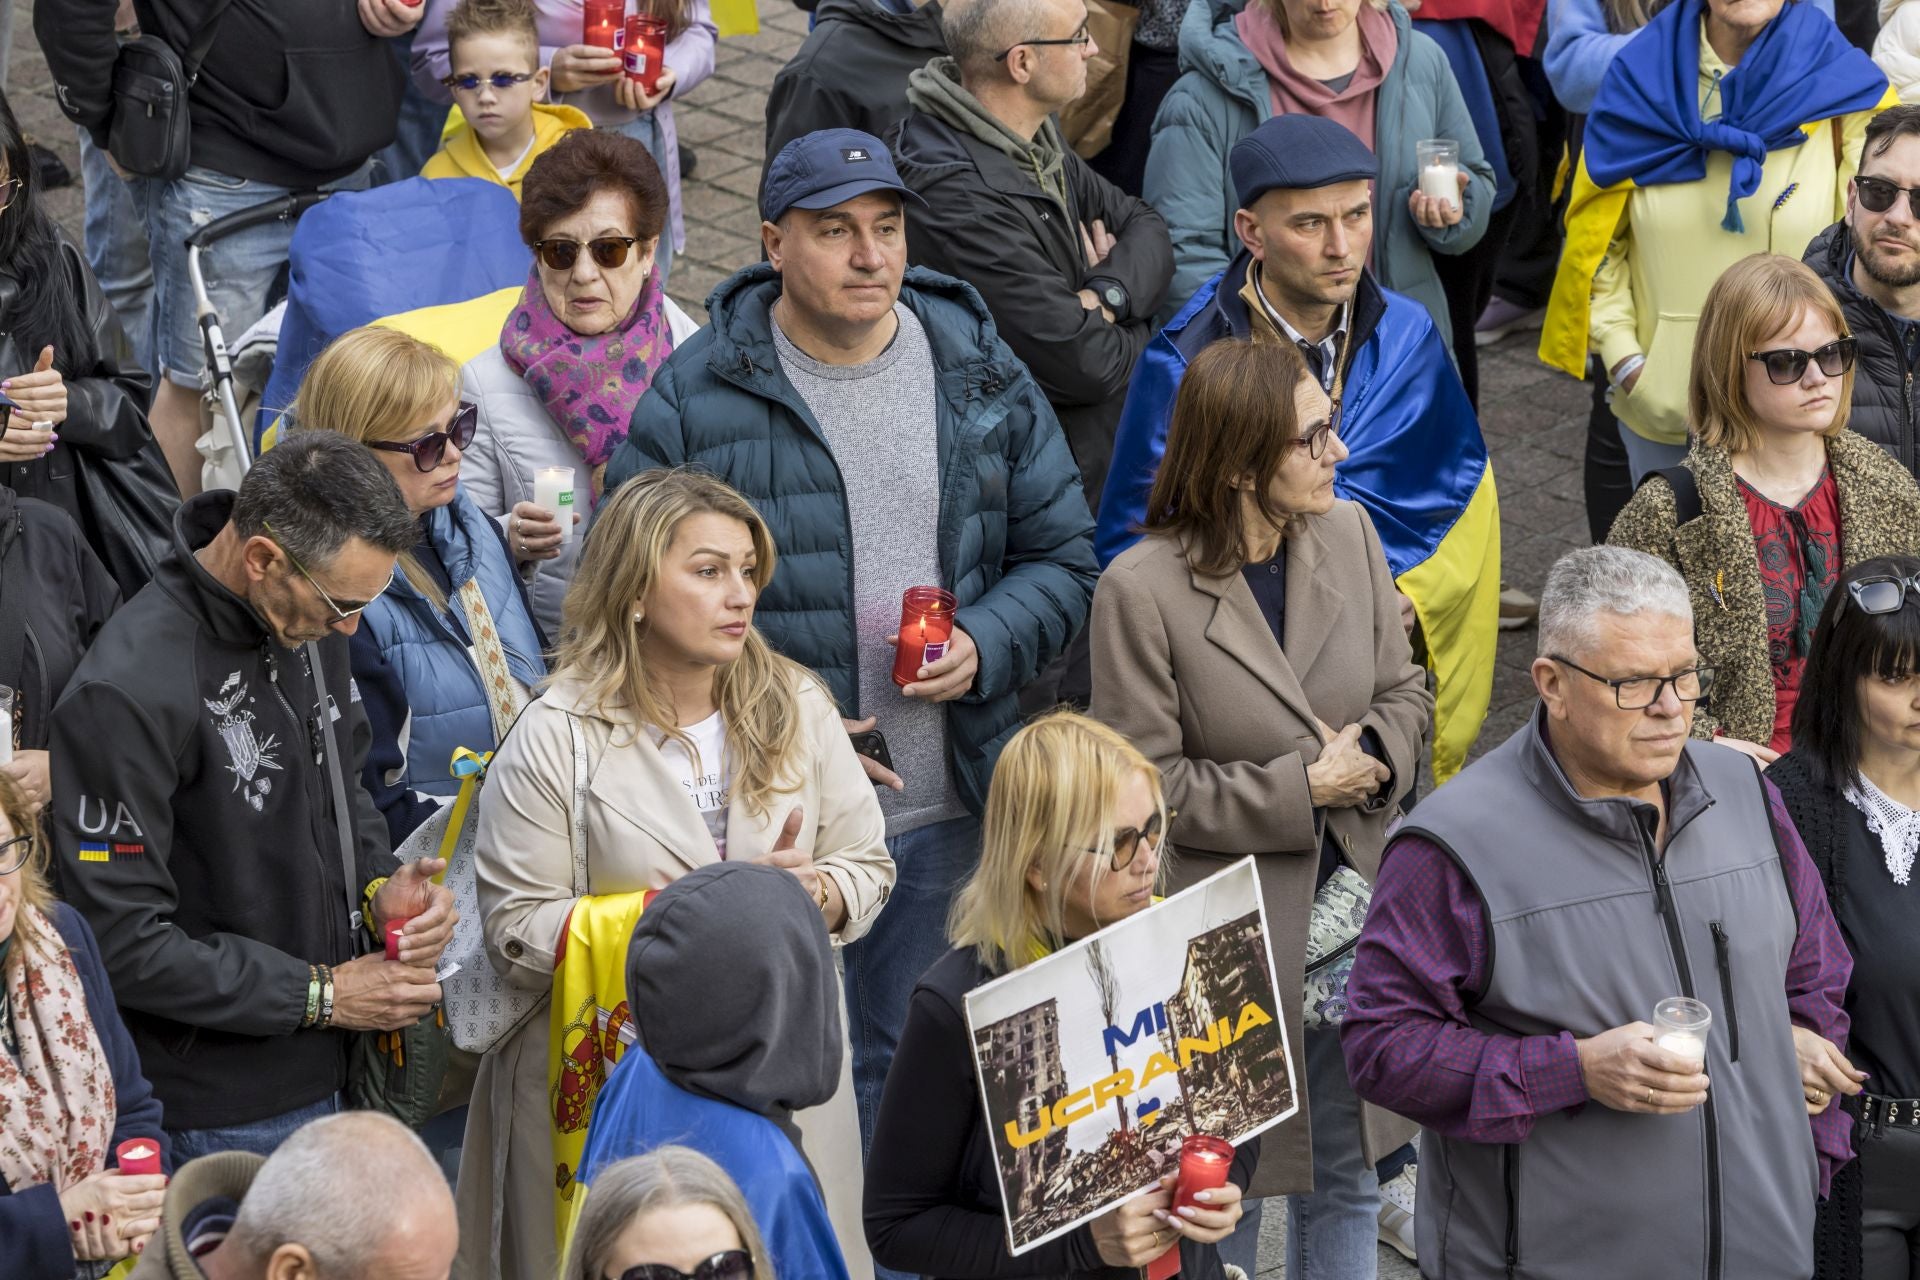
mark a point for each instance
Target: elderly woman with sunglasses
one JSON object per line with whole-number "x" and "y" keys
{"x": 575, "y": 356}
{"x": 1251, "y": 646}
{"x": 1775, "y": 499}
{"x": 444, "y": 658}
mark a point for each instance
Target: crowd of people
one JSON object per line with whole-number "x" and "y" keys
{"x": 415, "y": 863}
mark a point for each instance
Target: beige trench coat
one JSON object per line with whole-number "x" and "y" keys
{"x": 642, "y": 833}
{"x": 1186, "y": 667}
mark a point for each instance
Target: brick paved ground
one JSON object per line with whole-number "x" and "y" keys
{"x": 1534, "y": 420}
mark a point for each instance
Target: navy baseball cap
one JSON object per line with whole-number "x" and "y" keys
{"x": 828, "y": 167}
{"x": 1297, "y": 153}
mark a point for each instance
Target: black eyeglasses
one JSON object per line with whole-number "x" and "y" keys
{"x": 431, "y": 449}
{"x": 1787, "y": 365}
{"x": 1883, "y": 595}
{"x": 1080, "y": 37}
{"x": 499, "y": 80}
{"x": 1637, "y": 693}
{"x": 608, "y": 251}
{"x": 1877, "y": 195}
{"x": 1127, "y": 840}
{"x": 734, "y": 1264}
{"x": 14, "y": 854}
{"x": 8, "y": 190}
{"x": 340, "y": 614}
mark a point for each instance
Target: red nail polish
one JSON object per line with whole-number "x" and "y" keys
{"x": 89, "y": 1215}
{"x": 140, "y": 1247}
{"x": 74, "y": 1225}
{"x": 104, "y": 1219}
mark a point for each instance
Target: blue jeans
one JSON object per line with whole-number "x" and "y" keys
{"x": 117, "y": 248}
{"x": 910, "y": 934}
{"x": 242, "y": 270}
{"x": 645, "y": 128}
{"x": 262, "y": 1137}
{"x": 1333, "y": 1230}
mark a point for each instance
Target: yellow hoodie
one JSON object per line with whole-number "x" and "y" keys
{"x": 463, "y": 156}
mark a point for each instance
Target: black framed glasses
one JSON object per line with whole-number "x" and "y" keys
{"x": 1877, "y": 195}
{"x": 501, "y": 80}
{"x": 608, "y": 252}
{"x": 8, "y": 190}
{"x": 1787, "y": 365}
{"x": 340, "y": 613}
{"x": 1080, "y": 37}
{"x": 14, "y": 854}
{"x": 1315, "y": 441}
{"x": 1127, "y": 840}
{"x": 1637, "y": 693}
{"x": 431, "y": 449}
{"x": 734, "y": 1264}
{"x": 1883, "y": 594}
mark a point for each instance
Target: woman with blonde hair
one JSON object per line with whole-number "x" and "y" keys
{"x": 444, "y": 659}
{"x": 1776, "y": 498}
{"x": 1071, "y": 842}
{"x": 670, "y": 1214}
{"x": 686, "y": 740}
{"x": 71, "y": 1088}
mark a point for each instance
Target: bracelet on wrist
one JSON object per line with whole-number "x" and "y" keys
{"x": 313, "y": 997}
{"x": 326, "y": 997}
{"x": 1626, "y": 369}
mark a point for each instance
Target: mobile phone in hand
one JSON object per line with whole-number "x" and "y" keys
{"x": 873, "y": 745}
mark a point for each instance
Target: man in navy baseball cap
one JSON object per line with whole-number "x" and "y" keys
{"x": 829, "y": 167}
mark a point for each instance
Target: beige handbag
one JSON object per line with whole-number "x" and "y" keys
{"x": 1087, "y": 121}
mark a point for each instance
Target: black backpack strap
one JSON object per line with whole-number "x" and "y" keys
{"x": 1686, "y": 492}
{"x": 14, "y": 589}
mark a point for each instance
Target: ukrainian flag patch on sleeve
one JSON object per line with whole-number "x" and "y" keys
{"x": 103, "y": 851}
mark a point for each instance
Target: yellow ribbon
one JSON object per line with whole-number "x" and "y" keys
{"x": 471, "y": 768}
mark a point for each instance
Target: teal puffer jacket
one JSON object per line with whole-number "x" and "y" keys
{"x": 1015, "y": 535}
{"x": 1222, "y": 96}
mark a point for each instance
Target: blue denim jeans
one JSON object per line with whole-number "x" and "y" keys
{"x": 262, "y": 1137}
{"x": 242, "y": 270}
{"x": 117, "y": 248}
{"x": 1333, "y": 1231}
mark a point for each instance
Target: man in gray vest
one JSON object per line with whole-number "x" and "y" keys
{"x": 1502, "y": 989}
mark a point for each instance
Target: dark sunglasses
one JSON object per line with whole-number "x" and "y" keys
{"x": 1788, "y": 364}
{"x": 499, "y": 80}
{"x": 1127, "y": 840}
{"x": 1080, "y": 37}
{"x": 1882, "y": 595}
{"x": 431, "y": 448}
{"x": 608, "y": 251}
{"x": 1877, "y": 194}
{"x": 734, "y": 1264}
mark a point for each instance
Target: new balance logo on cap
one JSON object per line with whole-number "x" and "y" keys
{"x": 851, "y": 154}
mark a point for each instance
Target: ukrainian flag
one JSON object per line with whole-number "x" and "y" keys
{"x": 1645, "y": 130}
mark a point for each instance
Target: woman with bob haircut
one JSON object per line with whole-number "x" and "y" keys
{"x": 698, "y": 743}
{"x": 1852, "y": 787}
{"x": 1776, "y": 497}
{"x": 667, "y": 1215}
{"x": 1251, "y": 646}
{"x": 1071, "y": 842}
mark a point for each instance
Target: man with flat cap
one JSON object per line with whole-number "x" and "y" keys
{"x": 1416, "y": 460}
{"x": 891, "y": 440}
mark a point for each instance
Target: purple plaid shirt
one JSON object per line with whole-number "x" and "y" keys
{"x": 1410, "y": 1049}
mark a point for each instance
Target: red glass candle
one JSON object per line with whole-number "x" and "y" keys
{"x": 926, "y": 624}
{"x": 138, "y": 1156}
{"x": 604, "y": 23}
{"x": 394, "y": 929}
{"x": 1204, "y": 1163}
{"x": 646, "y": 50}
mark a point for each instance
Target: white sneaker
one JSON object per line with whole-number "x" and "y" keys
{"x": 1396, "y": 1212}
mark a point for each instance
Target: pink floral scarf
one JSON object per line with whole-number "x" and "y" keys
{"x": 589, "y": 385}
{"x": 57, "y": 1104}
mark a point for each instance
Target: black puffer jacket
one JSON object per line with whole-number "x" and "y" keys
{"x": 852, "y": 71}
{"x": 54, "y": 598}
{"x": 1883, "y": 391}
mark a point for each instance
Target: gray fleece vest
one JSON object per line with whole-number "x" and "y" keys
{"x": 1589, "y": 929}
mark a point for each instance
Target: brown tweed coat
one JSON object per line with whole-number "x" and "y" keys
{"x": 1879, "y": 516}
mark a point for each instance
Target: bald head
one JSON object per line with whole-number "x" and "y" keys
{"x": 350, "y": 1197}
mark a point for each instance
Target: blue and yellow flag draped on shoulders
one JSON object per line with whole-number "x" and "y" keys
{"x": 1645, "y": 130}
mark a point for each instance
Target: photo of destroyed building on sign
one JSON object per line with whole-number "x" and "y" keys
{"x": 1095, "y": 1063}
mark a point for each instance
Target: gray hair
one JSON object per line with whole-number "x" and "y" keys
{"x": 319, "y": 489}
{"x": 977, "y": 30}
{"x": 1595, "y": 580}
{"x": 664, "y": 1177}
{"x": 314, "y": 1191}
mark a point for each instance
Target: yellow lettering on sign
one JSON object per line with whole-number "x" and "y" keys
{"x": 1158, "y": 1065}
{"x": 1077, "y": 1105}
{"x": 1017, "y": 1139}
{"x": 1250, "y": 1017}
{"x": 1117, "y": 1085}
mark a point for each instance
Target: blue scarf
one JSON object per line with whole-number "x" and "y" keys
{"x": 1646, "y": 125}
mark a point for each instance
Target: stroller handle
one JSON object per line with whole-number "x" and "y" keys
{"x": 287, "y": 207}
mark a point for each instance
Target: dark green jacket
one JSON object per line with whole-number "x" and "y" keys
{"x": 1016, "y": 539}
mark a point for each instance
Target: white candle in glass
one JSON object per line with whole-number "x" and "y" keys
{"x": 553, "y": 490}
{"x": 1681, "y": 1025}
{"x": 1685, "y": 1044}
{"x": 1439, "y": 163}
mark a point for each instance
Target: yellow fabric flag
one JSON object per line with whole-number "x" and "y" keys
{"x": 736, "y": 18}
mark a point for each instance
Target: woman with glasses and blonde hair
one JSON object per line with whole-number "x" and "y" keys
{"x": 1251, "y": 646}
{"x": 671, "y": 1214}
{"x": 71, "y": 1088}
{"x": 698, "y": 742}
{"x": 1776, "y": 498}
{"x": 1071, "y": 842}
{"x": 445, "y": 658}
